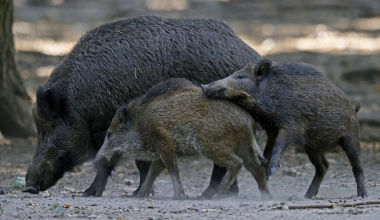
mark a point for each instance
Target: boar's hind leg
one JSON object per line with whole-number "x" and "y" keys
{"x": 143, "y": 167}
{"x": 216, "y": 177}
{"x": 352, "y": 149}
{"x": 147, "y": 187}
{"x": 321, "y": 166}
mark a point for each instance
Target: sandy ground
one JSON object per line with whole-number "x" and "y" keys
{"x": 338, "y": 189}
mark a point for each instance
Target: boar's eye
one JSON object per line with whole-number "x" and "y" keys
{"x": 241, "y": 76}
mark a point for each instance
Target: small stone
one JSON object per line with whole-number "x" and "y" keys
{"x": 2, "y": 191}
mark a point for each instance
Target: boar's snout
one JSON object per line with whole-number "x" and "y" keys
{"x": 40, "y": 179}
{"x": 31, "y": 189}
{"x": 213, "y": 91}
{"x": 32, "y": 180}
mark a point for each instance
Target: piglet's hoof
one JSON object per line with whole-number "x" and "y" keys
{"x": 274, "y": 168}
{"x": 136, "y": 193}
{"x": 272, "y": 171}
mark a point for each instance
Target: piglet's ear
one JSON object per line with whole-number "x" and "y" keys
{"x": 122, "y": 115}
{"x": 48, "y": 102}
{"x": 262, "y": 68}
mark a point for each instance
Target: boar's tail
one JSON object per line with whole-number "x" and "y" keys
{"x": 357, "y": 108}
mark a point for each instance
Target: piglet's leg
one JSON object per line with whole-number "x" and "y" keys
{"x": 98, "y": 185}
{"x": 351, "y": 146}
{"x": 321, "y": 166}
{"x": 279, "y": 145}
{"x": 143, "y": 167}
{"x": 147, "y": 187}
{"x": 168, "y": 158}
{"x": 268, "y": 151}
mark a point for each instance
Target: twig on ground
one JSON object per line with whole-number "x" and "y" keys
{"x": 314, "y": 206}
{"x": 371, "y": 202}
{"x": 330, "y": 206}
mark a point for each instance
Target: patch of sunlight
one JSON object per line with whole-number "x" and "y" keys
{"x": 45, "y": 46}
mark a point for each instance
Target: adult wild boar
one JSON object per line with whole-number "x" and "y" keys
{"x": 113, "y": 64}
{"x": 297, "y": 105}
{"x": 175, "y": 120}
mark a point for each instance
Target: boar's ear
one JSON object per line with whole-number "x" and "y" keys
{"x": 250, "y": 67}
{"x": 122, "y": 115}
{"x": 262, "y": 68}
{"x": 48, "y": 102}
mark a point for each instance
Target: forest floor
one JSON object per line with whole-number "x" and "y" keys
{"x": 337, "y": 193}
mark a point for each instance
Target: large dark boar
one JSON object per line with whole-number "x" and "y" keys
{"x": 297, "y": 105}
{"x": 115, "y": 63}
{"x": 175, "y": 120}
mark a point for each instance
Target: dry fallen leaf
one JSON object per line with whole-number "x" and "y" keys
{"x": 31, "y": 203}
{"x": 71, "y": 190}
{"x": 66, "y": 206}
{"x": 209, "y": 210}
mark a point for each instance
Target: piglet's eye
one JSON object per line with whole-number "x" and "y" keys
{"x": 43, "y": 134}
{"x": 109, "y": 134}
{"x": 241, "y": 76}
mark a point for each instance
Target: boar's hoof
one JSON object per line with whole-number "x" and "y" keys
{"x": 93, "y": 191}
{"x": 30, "y": 189}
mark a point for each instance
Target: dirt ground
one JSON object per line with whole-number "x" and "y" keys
{"x": 337, "y": 190}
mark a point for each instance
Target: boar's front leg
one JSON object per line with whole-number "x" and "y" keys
{"x": 143, "y": 167}
{"x": 100, "y": 181}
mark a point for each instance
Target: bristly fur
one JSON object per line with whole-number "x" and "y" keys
{"x": 119, "y": 61}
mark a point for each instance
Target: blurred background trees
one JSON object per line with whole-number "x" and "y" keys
{"x": 15, "y": 112}
{"x": 340, "y": 37}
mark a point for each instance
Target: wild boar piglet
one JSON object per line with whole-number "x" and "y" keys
{"x": 175, "y": 120}
{"x": 296, "y": 105}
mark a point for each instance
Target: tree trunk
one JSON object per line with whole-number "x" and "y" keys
{"x": 15, "y": 112}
